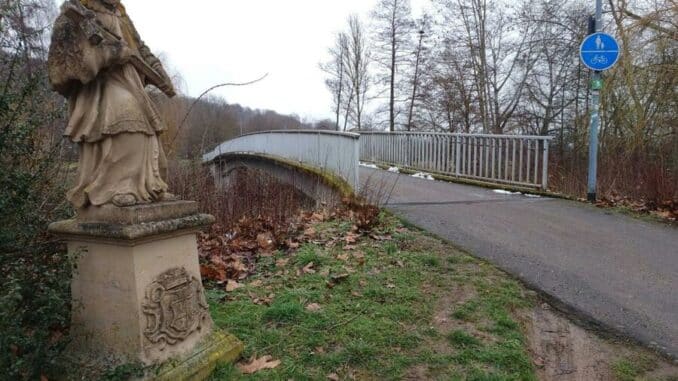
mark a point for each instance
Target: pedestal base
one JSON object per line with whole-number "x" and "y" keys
{"x": 217, "y": 349}
{"x": 137, "y": 293}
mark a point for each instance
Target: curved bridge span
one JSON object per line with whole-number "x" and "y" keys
{"x": 318, "y": 163}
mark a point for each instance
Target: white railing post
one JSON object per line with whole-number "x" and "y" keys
{"x": 545, "y": 170}
{"x": 457, "y": 155}
{"x": 356, "y": 167}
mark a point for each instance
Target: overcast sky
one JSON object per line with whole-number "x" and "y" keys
{"x": 214, "y": 41}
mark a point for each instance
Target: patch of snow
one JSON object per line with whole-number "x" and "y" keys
{"x": 423, "y": 175}
{"x": 394, "y": 169}
{"x": 501, "y": 191}
{"x": 367, "y": 165}
{"x": 531, "y": 195}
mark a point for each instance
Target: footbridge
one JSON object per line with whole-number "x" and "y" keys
{"x": 317, "y": 162}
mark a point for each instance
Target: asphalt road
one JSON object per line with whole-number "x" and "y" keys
{"x": 613, "y": 269}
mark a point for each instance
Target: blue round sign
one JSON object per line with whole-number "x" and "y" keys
{"x": 599, "y": 51}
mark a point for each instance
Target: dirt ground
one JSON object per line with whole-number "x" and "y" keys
{"x": 563, "y": 351}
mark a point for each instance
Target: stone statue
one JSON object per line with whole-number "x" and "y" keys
{"x": 98, "y": 61}
{"x": 124, "y": 240}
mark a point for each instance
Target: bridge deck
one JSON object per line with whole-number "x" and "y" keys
{"x": 618, "y": 270}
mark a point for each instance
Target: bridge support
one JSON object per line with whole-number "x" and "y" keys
{"x": 321, "y": 186}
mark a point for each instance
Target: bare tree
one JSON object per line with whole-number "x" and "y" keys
{"x": 357, "y": 68}
{"x": 552, "y": 85}
{"x": 500, "y": 50}
{"x": 422, "y": 29}
{"x": 336, "y": 70}
{"x": 455, "y": 92}
{"x": 393, "y": 27}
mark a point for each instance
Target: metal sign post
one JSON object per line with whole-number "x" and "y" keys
{"x": 598, "y": 52}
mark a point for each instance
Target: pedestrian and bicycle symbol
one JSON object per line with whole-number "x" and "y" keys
{"x": 599, "y": 51}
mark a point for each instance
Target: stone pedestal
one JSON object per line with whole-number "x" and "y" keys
{"x": 137, "y": 292}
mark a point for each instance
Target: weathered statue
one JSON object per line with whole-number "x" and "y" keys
{"x": 98, "y": 61}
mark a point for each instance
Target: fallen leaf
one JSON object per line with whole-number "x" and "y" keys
{"x": 360, "y": 257}
{"x": 265, "y": 241}
{"x": 210, "y": 272}
{"x": 256, "y": 283}
{"x": 317, "y": 217}
{"x": 333, "y": 377}
{"x": 667, "y": 214}
{"x": 363, "y": 283}
{"x": 351, "y": 238}
{"x": 310, "y": 232}
{"x": 349, "y": 247}
{"x": 256, "y": 365}
{"x": 282, "y": 262}
{"x": 331, "y": 243}
{"x": 390, "y": 285}
{"x": 262, "y": 301}
{"x": 313, "y": 307}
{"x": 232, "y": 285}
{"x": 319, "y": 350}
{"x": 308, "y": 269}
{"x": 343, "y": 257}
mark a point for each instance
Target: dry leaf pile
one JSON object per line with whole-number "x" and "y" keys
{"x": 229, "y": 255}
{"x": 667, "y": 210}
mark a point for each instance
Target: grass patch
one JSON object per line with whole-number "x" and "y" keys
{"x": 461, "y": 339}
{"x": 430, "y": 260}
{"x": 377, "y": 320}
{"x": 309, "y": 254}
{"x": 634, "y": 367}
{"x": 283, "y": 312}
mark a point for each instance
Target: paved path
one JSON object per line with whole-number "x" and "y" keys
{"x": 619, "y": 271}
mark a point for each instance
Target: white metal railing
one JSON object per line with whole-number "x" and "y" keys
{"x": 336, "y": 152}
{"x": 504, "y": 159}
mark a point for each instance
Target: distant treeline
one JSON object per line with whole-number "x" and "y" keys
{"x": 212, "y": 120}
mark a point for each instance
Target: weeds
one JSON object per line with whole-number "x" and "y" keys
{"x": 250, "y": 194}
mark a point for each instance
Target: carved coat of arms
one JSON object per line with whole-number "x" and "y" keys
{"x": 175, "y": 307}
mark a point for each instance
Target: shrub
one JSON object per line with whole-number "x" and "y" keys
{"x": 34, "y": 270}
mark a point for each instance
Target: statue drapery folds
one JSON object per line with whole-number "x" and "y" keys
{"x": 98, "y": 61}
